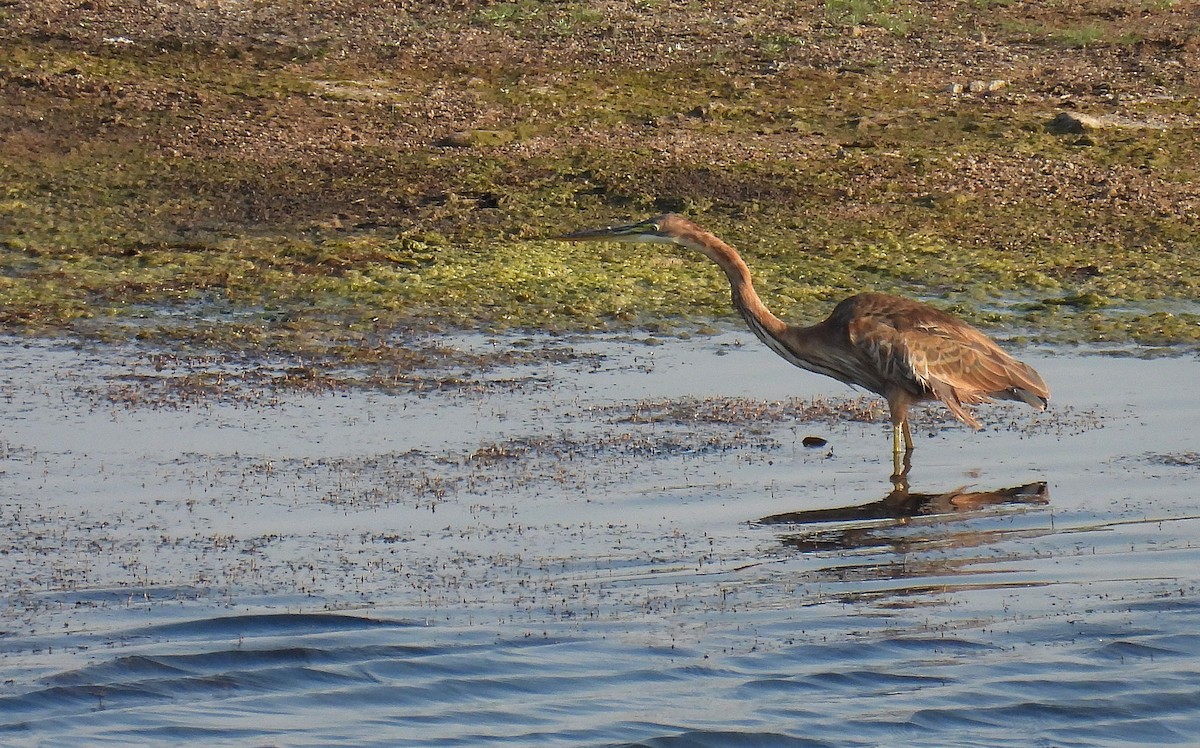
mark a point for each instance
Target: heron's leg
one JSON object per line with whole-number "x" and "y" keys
{"x": 898, "y": 452}
{"x": 899, "y": 439}
{"x": 902, "y": 446}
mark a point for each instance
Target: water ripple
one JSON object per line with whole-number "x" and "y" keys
{"x": 255, "y": 588}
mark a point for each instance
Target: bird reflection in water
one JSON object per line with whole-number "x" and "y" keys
{"x": 866, "y": 525}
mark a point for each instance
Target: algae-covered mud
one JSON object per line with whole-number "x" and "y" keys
{"x": 300, "y": 178}
{"x": 628, "y": 543}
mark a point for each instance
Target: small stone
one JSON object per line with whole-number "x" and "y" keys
{"x": 812, "y": 442}
{"x": 977, "y": 86}
{"x": 1073, "y": 123}
{"x": 474, "y": 138}
{"x": 996, "y": 85}
{"x": 954, "y": 88}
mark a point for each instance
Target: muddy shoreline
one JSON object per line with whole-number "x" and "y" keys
{"x": 307, "y": 181}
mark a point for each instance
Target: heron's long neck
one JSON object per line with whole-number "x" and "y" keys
{"x": 765, "y": 325}
{"x": 805, "y": 347}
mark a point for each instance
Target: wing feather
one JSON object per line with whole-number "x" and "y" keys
{"x": 929, "y": 353}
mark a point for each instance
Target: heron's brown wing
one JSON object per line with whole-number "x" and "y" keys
{"x": 923, "y": 349}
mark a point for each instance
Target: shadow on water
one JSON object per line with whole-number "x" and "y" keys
{"x": 888, "y": 524}
{"x": 903, "y": 503}
{"x": 897, "y": 551}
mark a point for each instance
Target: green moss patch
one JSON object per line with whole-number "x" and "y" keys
{"x": 304, "y": 180}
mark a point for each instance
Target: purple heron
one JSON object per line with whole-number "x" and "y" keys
{"x": 903, "y": 350}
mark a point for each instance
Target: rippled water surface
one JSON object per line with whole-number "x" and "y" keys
{"x": 628, "y": 545}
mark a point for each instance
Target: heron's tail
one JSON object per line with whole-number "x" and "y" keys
{"x": 1029, "y": 387}
{"x": 1034, "y": 399}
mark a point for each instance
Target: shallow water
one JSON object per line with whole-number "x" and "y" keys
{"x": 571, "y": 555}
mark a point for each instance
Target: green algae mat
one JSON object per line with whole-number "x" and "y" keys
{"x": 278, "y": 176}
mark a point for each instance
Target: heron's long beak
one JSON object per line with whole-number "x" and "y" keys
{"x": 631, "y": 232}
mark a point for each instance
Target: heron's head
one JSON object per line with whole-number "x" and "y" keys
{"x": 665, "y": 229}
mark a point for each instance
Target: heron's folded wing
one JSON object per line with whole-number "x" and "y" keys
{"x": 952, "y": 360}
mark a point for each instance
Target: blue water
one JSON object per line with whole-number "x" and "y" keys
{"x": 313, "y": 679}
{"x": 528, "y": 567}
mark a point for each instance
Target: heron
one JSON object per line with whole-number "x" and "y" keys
{"x": 903, "y": 350}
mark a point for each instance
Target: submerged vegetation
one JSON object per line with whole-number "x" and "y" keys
{"x": 293, "y": 179}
